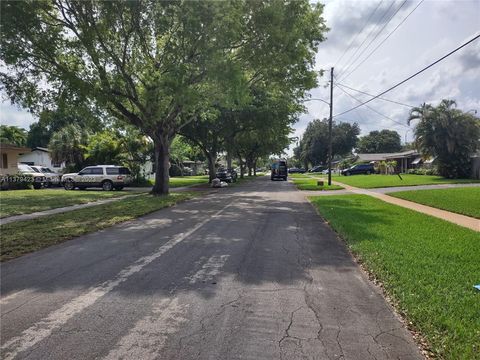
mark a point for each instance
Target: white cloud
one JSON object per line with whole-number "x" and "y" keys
{"x": 13, "y": 115}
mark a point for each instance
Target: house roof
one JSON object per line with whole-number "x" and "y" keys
{"x": 6, "y": 146}
{"x": 40, "y": 149}
{"x": 386, "y": 156}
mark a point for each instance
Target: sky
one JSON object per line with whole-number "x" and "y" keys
{"x": 432, "y": 30}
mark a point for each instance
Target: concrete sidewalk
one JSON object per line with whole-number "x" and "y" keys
{"x": 379, "y": 193}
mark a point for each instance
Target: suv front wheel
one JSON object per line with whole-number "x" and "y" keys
{"x": 69, "y": 185}
{"x": 107, "y": 185}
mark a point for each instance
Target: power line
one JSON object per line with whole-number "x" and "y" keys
{"x": 370, "y": 108}
{"x": 358, "y": 33}
{"x": 380, "y": 98}
{"x": 366, "y": 38}
{"x": 376, "y": 36}
{"x": 411, "y": 76}
{"x": 391, "y": 33}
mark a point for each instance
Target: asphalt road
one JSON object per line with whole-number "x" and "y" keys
{"x": 251, "y": 272}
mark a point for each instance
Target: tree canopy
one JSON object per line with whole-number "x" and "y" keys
{"x": 384, "y": 141}
{"x": 149, "y": 62}
{"x": 313, "y": 147}
{"x": 13, "y": 135}
{"x": 448, "y": 134}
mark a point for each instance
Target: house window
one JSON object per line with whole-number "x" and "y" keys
{"x": 4, "y": 161}
{"x": 57, "y": 165}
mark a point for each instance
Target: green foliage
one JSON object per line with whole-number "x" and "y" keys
{"x": 385, "y": 141}
{"x": 427, "y": 265}
{"x": 149, "y": 62}
{"x": 423, "y": 171}
{"x": 64, "y": 113}
{"x": 313, "y": 147}
{"x": 68, "y": 145}
{"x": 448, "y": 134}
{"x": 13, "y": 135}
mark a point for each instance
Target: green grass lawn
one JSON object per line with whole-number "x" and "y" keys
{"x": 298, "y": 176}
{"x": 464, "y": 201}
{"x": 188, "y": 180}
{"x": 22, "y": 237}
{"x": 311, "y": 184}
{"x": 427, "y": 265}
{"x": 16, "y": 202}
{"x": 377, "y": 181}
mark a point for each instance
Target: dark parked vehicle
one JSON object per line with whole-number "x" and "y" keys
{"x": 316, "y": 169}
{"x": 366, "y": 169}
{"x": 296, "y": 171}
{"x": 227, "y": 175}
{"x": 279, "y": 170}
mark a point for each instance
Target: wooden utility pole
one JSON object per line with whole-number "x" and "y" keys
{"x": 330, "y": 130}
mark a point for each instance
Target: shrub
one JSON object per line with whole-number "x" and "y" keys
{"x": 16, "y": 182}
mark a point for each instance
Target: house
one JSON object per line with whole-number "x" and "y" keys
{"x": 405, "y": 160}
{"x": 41, "y": 157}
{"x": 9, "y": 157}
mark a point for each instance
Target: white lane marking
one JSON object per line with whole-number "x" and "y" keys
{"x": 149, "y": 335}
{"x": 4, "y": 300}
{"x": 42, "y": 329}
{"x": 210, "y": 269}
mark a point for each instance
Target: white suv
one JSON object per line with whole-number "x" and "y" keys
{"x": 108, "y": 177}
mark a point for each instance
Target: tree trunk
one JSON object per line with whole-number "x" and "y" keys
{"x": 255, "y": 168}
{"x": 211, "y": 166}
{"x": 162, "y": 165}
{"x": 242, "y": 167}
{"x": 229, "y": 160}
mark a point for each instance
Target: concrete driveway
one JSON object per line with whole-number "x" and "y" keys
{"x": 251, "y": 272}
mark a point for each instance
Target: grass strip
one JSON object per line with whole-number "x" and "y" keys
{"x": 17, "y": 202}
{"x": 22, "y": 237}
{"x": 312, "y": 184}
{"x": 464, "y": 201}
{"x": 427, "y": 265}
{"x": 378, "y": 181}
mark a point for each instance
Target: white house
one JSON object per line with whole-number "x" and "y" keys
{"x": 41, "y": 157}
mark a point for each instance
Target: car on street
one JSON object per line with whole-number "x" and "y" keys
{"x": 279, "y": 170}
{"x": 318, "y": 168}
{"x": 52, "y": 178}
{"x": 227, "y": 175}
{"x": 107, "y": 177}
{"x": 38, "y": 178}
{"x": 357, "y": 169}
{"x": 295, "y": 170}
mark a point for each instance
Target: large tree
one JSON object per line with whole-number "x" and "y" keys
{"x": 148, "y": 62}
{"x": 448, "y": 134}
{"x": 313, "y": 148}
{"x": 385, "y": 141}
{"x": 13, "y": 135}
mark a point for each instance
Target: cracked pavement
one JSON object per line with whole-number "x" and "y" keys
{"x": 270, "y": 281}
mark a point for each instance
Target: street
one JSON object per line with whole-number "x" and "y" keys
{"x": 249, "y": 272}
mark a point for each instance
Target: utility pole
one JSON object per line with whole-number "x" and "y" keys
{"x": 330, "y": 130}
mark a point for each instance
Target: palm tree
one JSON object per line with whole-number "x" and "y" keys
{"x": 448, "y": 134}
{"x": 68, "y": 145}
{"x": 13, "y": 135}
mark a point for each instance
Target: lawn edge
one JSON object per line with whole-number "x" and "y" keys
{"x": 435, "y": 207}
{"x": 423, "y": 345}
{"x": 194, "y": 195}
